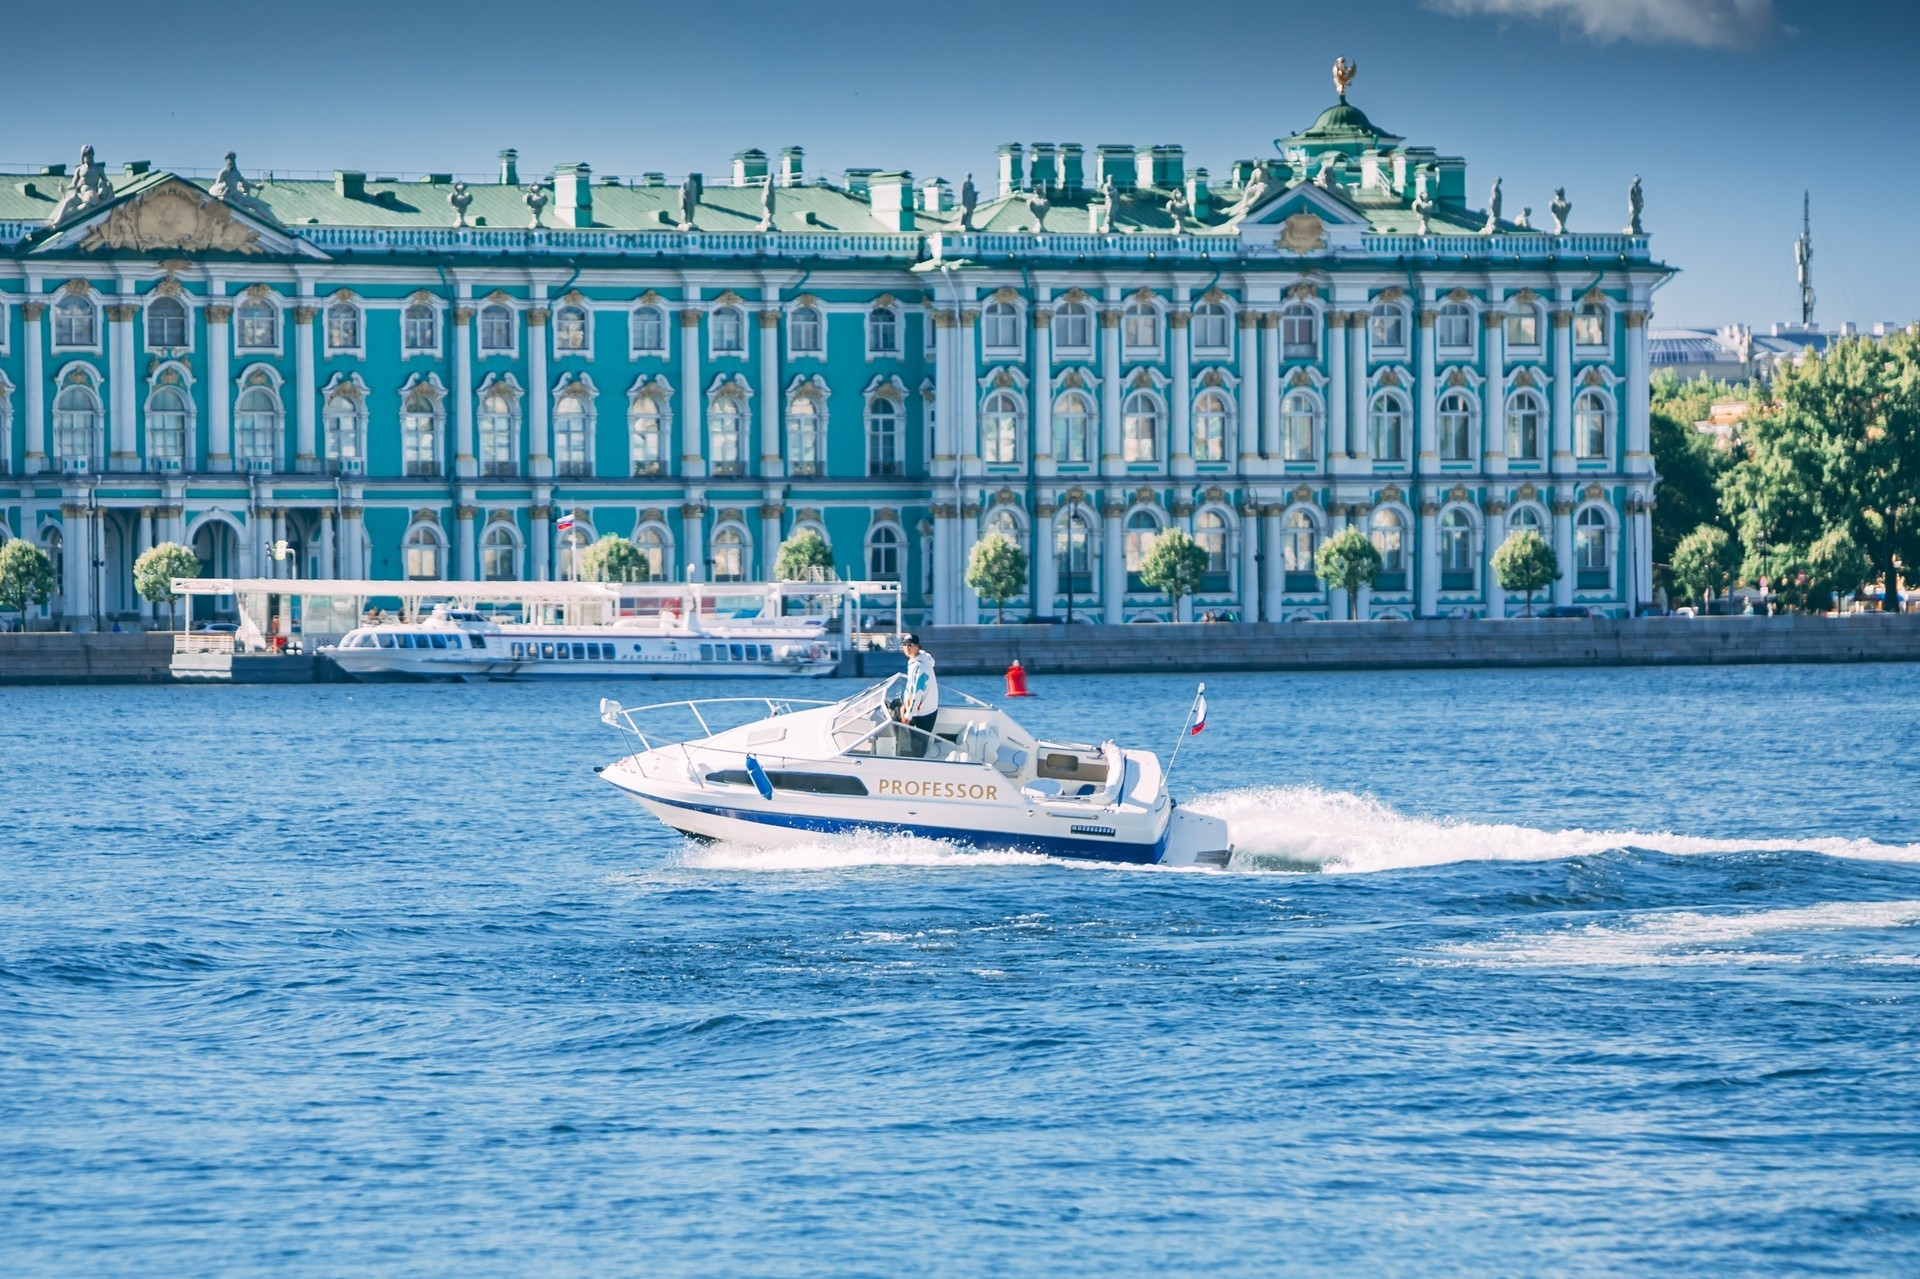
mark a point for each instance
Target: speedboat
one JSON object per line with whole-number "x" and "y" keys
{"x": 771, "y": 772}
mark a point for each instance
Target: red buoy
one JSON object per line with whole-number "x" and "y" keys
{"x": 1017, "y": 680}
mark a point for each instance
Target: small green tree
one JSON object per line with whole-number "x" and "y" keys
{"x": 1175, "y": 564}
{"x": 1704, "y": 561}
{"x": 804, "y": 557}
{"x": 26, "y": 577}
{"x": 1836, "y": 566}
{"x": 1525, "y": 563}
{"x": 1348, "y": 561}
{"x": 155, "y": 570}
{"x": 613, "y": 559}
{"x": 997, "y": 571}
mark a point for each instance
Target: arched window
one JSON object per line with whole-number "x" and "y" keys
{"x": 1212, "y": 327}
{"x": 499, "y": 554}
{"x": 1299, "y": 332}
{"x": 1389, "y": 427}
{"x": 1590, "y": 425}
{"x": 1388, "y": 539}
{"x": 1000, "y": 326}
{"x": 166, "y": 427}
{"x": 1000, "y": 429}
{"x": 1456, "y": 427}
{"x": 1072, "y": 428}
{"x": 1524, "y": 415}
{"x": 729, "y": 331}
{"x": 883, "y": 331}
{"x": 1590, "y": 324}
{"x": 346, "y": 433}
{"x": 572, "y": 542}
{"x": 1453, "y": 327}
{"x": 1073, "y": 549}
{"x": 54, "y": 547}
{"x": 418, "y": 330}
{"x": 573, "y": 435}
{"x": 1140, "y": 428}
{"x": 1003, "y": 521}
{"x": 1523, "y": 519}
{"x": 343, "y": 326}
{"x": 256, "y": 325}
{"x": 1210, "y": 531}
{"x": 1072, "y": 327}
{"x": 1387, "y": 327}
{"x": 496, "y": 327}
{"x": 1140, "y": 326}
{"x": 497, "y": 434}
{"x": 651, "y": 541}
{"x": 1590, "y": 547}
{"x": 167, "y": 323}
{"x": 726, "y": 442}
{"x": 422, "y": 551}
{"x": 883, "y": 437}
{"x": 1296, "y": 423}
{"x": 256, "y": 428}
{"x": 1299, "y": 541}
{"x": 76, "y": 428}
{"x": 1523, "y": 326}
{"x": 1142, "y": 530}
{"x": 647, "y": 329}
{"x": 805, "y": 333}
{"x": 1456, "y": 544}
{"x": 805, "y": 447}
{"x": 729, "y": 555}
{"x": 1210, "y": 415}
{"x": 883, "y": 554}
{"x": 419, "y": 436}
{"x": 647, "y": 434}
{"x": 569, "y": 328}
{"x": 75, "y": 322}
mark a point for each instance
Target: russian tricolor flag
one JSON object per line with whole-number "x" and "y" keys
{"x": 1197, "y": 717}
{"x": 564, "y": 523}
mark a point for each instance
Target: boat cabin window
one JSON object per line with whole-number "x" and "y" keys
{"x": 439, "y": 641}
{"x": 579, "y": 652}
{"x": 473, "y": 641}
{"x": 814, "y": 783}
{"x": 386, "y": 641}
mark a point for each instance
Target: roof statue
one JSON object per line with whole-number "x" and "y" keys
{"x": 1525, "y": 221}
{"x": 89, "y": 187}
{"x": 459, "y": 198}
{"x": 1422, "y": 202}
{"x": 1343, "y": 74}
{"x": 1328, "y": 163}
{"x": 536, "y": 198}
{"x": 1106, "y": 206}
{"x": 233, "y": 188}
{"x": 1493, "y": 209}
{"x": 1635, "y": 203}
{"x": 689, "y": 200}
{"x": 1176, "y": 207}
{"x": 766, "y": 203}
{"x": 1038, "y": 206}
{"x": 1560, "y": 208}
{"x": 969, "y": 197}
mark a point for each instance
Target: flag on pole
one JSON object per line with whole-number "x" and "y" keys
{"x": 1198, "y": 716}
{"x": 564, "y": 523}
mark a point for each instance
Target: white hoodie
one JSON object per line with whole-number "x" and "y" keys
{"x": 923, "y": 690}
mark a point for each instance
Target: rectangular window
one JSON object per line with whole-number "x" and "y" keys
{"x": 1523, "y": 329}
{"x": 1590, "y": 327}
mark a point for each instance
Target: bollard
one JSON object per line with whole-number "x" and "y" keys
{"x": 1017, "y": 680}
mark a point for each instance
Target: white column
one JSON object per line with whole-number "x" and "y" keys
{"x": 539, "y": 401}
{"x": 1273, "y": 589}
{"x": 946, "y": 534}
{"x": 1336, "y": 344}
{"x": 1562, "y": 424}
{"x": 463, "y": 517}
{"x": 1429, "y": 559}
{"x": 1180, "y": 447}
{"x": 1424, "y": 398}
{"x": 1249, "y": 562}
{"x": 1040, "y": 386}
{"x": 946, "y": 399}
{"x": 1113, "y": 566}
{"x": 693, "y": 537}
{"x": 306, "y": 402}
{"x": 76, "y": 573}
{"x": 1110, "y": 456}
{"x": 968, "y": 526}
{"x": 966, "y": 391}
{"x": 1046, "y": 570}
{"x": 219, "y": 386}
{"x": 770, "y": 513}
{"x": 125, "y": 453}
{"x": 539, "y": 566}
{"x": 1637, "y": 408}
{"x": 1563, "y": 547}
{"x": 770, "y": 395}
{"x": 277, "y": 567}
{"x": 1494, "y": 418}
{"x": 353, "y": 542}
{"x": 324, "y": 543}
{"x": 34, "y": 394}
{"x": 465, "y": 463}
{"x": 142, "y": 543}
{"x": 1338, "y": 517}
{"x": 1270, "y": 385}
{"x": 692, "y": 395}
{"x": 1496, "y": 534}
{"x": 1642, "y": 518}
{"x": 1357, "y": 443}
{"x": 1248, "y": 331}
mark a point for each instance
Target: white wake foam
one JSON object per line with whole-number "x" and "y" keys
{"x": 859, "y": 848}
{"x": 1306, "y": 828}
{"x": 1663, "y": 938}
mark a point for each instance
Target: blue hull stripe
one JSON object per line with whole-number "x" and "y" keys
{"x": 1099, "y": 850}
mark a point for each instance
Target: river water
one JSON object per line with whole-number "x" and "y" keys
{"x": 1570, "y": 972}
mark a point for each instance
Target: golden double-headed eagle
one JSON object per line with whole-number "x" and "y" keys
{"x": 1343, "y": 74}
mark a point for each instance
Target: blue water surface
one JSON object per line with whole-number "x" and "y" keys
{"x": 1514, "y": 973}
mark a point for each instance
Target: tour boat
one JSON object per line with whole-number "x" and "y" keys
{"x": 455, "y": 644}
{"x": 793, "y": 771}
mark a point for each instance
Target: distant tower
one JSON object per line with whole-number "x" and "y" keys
{"x": 1803, "y": 259}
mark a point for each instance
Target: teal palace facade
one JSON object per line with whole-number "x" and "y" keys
{"x": 422, "y": 378}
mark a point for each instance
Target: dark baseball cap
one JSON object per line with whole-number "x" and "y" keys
{"x": 910, "y": 638}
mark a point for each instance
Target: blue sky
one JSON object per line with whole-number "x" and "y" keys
{"x": 1727, "y": 108}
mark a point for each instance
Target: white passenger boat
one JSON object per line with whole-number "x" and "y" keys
{"x": 796, "y": 770}
{"x": 457, "y": 644}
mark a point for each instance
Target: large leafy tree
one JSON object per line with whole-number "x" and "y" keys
{"x": 1837, "y": 449}
{"x": 804, "y": 557}
{"x": 1175, "y": 563}
{"x": 156, "y": 569}
{"x": 1704, "y": 561}
{"x": 1348, "y": 561}
{"x": 1524, "y": 564}
{"x": 613, "y": 559}
{"x": 26, "y": 577}
{"x": 1692, "y": 463}
{"x": 997, "y": 571}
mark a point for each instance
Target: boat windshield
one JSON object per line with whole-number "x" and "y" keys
{"x": 861, "y": 714}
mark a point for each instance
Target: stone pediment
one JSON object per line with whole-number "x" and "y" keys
{"x": 174, "y": 216}
{"x": 1304, "y": 219}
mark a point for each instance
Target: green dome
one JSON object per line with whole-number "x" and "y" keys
{"x": 1342, "y": 120}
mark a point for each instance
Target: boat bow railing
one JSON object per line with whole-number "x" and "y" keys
{"x": 619, "y": 717}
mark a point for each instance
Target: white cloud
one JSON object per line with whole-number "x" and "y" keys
{"x": 1708, "y": 24}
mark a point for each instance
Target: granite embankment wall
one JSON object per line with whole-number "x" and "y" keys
{"x": 1336, "y": 646}
{"x": 55, "y": 657}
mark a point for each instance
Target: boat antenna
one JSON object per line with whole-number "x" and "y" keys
{"x": 1195, "y": 721}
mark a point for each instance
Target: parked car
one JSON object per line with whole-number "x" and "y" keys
{"x": 218, "y": 628}
{"x": 1567, "y": 610}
